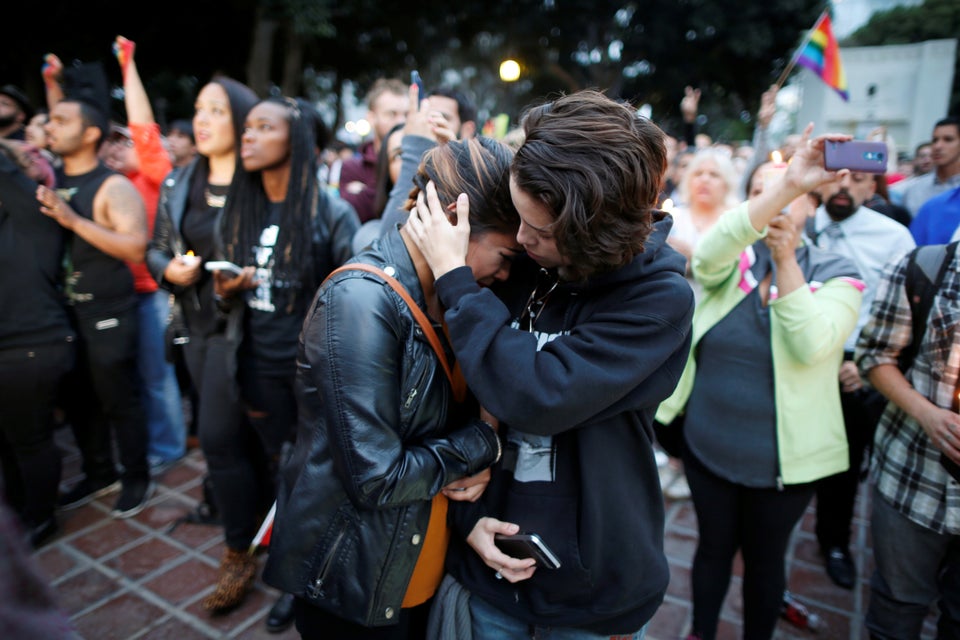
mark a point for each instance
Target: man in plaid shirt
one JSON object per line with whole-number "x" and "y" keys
{"x": 916, "y": 502}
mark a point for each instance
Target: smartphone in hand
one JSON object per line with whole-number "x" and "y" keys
{"x": 527, "y": 545}
{"x": 856, "y": 155}
{"x": 223, "y": 265}
{"x": 415, "y": 79}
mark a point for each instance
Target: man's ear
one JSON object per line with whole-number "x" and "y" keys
{"x": 452, "y": 212}
{"x": 468, "y": 130}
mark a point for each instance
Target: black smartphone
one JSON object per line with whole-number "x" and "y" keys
{"x": 415, "y": 79}
{"x": 527, "y": 545}
{"x": 856, "y": 155}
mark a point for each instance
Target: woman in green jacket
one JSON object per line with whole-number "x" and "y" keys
{"x": 759, "y": 392}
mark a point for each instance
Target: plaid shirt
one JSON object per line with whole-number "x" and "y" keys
{"x": 906, "y": 464}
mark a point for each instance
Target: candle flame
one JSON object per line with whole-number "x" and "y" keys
{"x": 776, "y": 156}
{"x": 667, "y": 205}
{"x": 189, "y": 253}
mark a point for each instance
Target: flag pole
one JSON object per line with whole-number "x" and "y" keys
{"x": 796, "y": 53}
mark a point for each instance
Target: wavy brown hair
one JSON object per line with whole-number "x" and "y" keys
{"x": 598, "y": 167}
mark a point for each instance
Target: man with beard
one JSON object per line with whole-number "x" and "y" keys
{"x": 105, "y": 216}
{"x": 15, "y": 112}
{"x": 843, "y": 225}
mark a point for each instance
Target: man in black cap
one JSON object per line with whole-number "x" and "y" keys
{"x": 15, "y": 112}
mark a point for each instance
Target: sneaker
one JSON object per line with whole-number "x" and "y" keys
{"x": 85, "y": 491}
{"x": 133, "y": 498}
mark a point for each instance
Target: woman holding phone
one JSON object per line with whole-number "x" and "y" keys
{"x": 759, "y": 391}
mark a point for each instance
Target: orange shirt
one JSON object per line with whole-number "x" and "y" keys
{"x": 428, "y": 571}
{"x": 154, "y": 167}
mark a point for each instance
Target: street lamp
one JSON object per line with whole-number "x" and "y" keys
{"x": 509, "y": 70}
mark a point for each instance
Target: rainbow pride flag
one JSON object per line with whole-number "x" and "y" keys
{"x": 821, "y": 54}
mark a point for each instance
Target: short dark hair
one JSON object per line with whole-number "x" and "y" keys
{"x": 91, "y": 115}
{"x": 182, "y": 126}
{"x": 465, "y": 107}
{"x": 598, "y": 167}
{"x": 948, "y": 121}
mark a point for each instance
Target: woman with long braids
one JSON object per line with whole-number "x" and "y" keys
{"x": 287, "y": 234}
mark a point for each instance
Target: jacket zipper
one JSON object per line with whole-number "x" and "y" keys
{"x": 315, "y": 590}
{"x": 410, "y": 398}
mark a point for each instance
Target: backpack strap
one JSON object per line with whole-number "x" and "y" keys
{"x": 926, "y": 269}
{"x": 459, "y": 390}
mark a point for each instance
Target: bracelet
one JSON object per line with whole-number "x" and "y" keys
{"x": 497, "y": 438}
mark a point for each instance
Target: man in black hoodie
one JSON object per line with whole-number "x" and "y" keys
{"x": 572, "y": 356}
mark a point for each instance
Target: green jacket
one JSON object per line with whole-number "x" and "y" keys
{"x": 808, "y": 328}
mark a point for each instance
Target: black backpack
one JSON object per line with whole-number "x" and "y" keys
{"x": 926, "y": 268}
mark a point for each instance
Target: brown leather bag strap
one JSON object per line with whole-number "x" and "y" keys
{"x": 459, "y": 390}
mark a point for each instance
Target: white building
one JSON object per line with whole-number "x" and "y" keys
{"x": 905, "y": 88}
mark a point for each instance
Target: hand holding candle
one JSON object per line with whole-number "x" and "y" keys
{"x": 774, "y": 171}
{"x": 189, "y": 259}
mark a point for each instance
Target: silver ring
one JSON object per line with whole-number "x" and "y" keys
{"x": 498, "y": 575}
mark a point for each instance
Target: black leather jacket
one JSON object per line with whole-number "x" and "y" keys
{"x": 374, "y": 444}
{"x": 167, "y": 241}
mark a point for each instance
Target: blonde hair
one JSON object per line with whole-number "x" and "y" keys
{"x": 724, "y": 166}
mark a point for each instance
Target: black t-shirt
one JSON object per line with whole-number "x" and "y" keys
{"x": 198, "y": 228}
{"x": 272, "y": 326}
{"x": 96, "y": 282}
{"x": 31, "y": 261}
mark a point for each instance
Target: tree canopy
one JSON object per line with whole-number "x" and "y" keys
{"x": 642, "y": 52}
{"x": 932, "y": 20}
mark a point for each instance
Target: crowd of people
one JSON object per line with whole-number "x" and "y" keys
{"x": 422, "y": 351}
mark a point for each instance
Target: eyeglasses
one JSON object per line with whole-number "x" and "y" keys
{"x": 546, "y": 282}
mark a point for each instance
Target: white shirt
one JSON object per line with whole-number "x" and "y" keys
{"x": 871, "y": 240}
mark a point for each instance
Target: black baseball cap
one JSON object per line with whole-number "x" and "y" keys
{"x": 20, "y": 98}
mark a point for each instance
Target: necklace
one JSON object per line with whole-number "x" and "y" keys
{"x": 215, "y": 200}
{"x": 537, "y": 301}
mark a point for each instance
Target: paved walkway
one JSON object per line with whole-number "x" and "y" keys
{"x": 143, "y": 578}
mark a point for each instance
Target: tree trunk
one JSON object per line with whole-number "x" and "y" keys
{"x": 292, "y": 63}
{"x": 258, "y": 67}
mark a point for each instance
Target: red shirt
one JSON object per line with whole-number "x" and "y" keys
{"x": 154, "y": 167}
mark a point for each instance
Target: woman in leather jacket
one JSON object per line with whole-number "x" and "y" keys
{"x": 382, "y": 442}
{"x": 185, "y": 236}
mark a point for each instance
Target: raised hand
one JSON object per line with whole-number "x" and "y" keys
{"x": 52, "y": 69}
{"x": 123, "y": 50}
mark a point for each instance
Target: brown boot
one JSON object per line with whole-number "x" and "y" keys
{"x": 237, "y": 572}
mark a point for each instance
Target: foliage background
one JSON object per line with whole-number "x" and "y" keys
{"x": 644, "y": 52}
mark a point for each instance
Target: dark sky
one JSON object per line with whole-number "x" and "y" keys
{"x": 195, "y": 37}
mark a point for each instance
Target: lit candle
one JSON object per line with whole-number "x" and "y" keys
{"x": 189, "y": 258}
{"x": 774, "y": 171}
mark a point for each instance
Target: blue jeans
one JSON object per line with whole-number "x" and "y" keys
{"x": 166, "y": 428}
{"x": 914, "y": 566}
{"x": 489, "y": 623}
